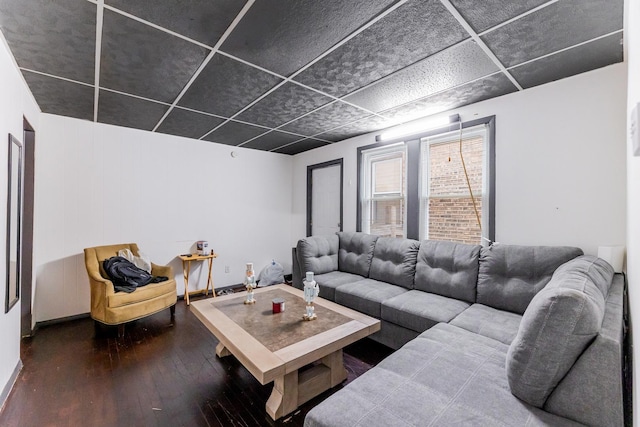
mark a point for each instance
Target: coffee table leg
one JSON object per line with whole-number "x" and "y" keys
{"x": 335, "y": 363}
{"x": 284, "y": 397}
{"x": 222, "y": 351}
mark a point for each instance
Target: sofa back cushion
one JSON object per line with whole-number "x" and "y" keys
{"x": 509, "y": 275}
{"x": 355, "y": 252}
{"x": 448, "y": 269}
{"x": 318, "y": 254}
{"x": 394, "y": 261}
{"x": 558, "y": 325}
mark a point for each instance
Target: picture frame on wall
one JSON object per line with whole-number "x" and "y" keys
{"x": 14, "y": 221}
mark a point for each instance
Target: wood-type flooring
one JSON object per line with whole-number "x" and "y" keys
{"x": 161, "y": 373}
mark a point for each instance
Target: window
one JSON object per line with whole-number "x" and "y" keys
{"x": 417, "y": 188}
{"x": 384, "y": 202}
{"x": 453, "y": 186}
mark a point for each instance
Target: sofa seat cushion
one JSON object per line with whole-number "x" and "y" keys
{"x": 152, "y": 290}
{"x": 394, "y": 261}
{"x": 559, "y": 324}
{"x": 355, "y": 252}
{"x": 489, "y": 322}
{"x": 367, "y": 295}
{"x": 328, "y": 282}
{"x": 446, "y": 376}
{"x": 418, "y": 311}
{"x": 447, "y": 268}
{"x": 509, "y": 275}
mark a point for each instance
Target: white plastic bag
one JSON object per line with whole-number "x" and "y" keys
{"x": 272, "y": 274}
{"x": 143, "y": 262}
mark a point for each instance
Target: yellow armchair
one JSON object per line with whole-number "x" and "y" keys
{"x": 117, "y": 308}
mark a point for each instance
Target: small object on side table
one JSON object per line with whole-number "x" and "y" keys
{"x": 250, "y": 284}
{"x": 311, "y": 291}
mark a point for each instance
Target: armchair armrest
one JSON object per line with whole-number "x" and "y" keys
{"x": 162, "y": 270}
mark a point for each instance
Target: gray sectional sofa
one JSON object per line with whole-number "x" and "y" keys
{"x": 498, "y": 336}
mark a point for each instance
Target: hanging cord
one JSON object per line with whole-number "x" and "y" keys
{"x": 466, "y": 175}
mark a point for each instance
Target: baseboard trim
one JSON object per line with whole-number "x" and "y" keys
{"x": 60, "y": 320}
{"x": 9, "y": 386}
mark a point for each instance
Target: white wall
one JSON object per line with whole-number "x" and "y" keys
{"x": 560, "y": 163}
{"x": 16, "y": 103}
{"x": 100, "y": 184}
{"x": 632, "y": 36}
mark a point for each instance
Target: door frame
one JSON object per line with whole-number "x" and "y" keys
{"x": 26, "y": 256}
{"x": 310, "y": 169}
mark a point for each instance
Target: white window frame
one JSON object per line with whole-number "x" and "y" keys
{"x": 443, "y": 138}
{"x": 369, "y": 157}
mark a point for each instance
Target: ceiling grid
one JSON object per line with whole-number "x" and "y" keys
{"x": 293, "y": 75}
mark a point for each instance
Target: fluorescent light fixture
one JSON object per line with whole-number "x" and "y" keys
{"x": 417, "y": 127}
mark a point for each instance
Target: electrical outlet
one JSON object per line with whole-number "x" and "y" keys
{"x": 227, "y": 269}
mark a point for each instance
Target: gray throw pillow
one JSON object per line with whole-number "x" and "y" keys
{"x": 558, "y": 325}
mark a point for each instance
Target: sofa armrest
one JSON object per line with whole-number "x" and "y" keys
{"x": 162, "y": 270}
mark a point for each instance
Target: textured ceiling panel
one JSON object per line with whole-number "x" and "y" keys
{"x": 203, "y": 21}
{"x": 413, "y": 31}
{"x": 597, "y": 54}
{"x": 558, "y": 26}
{"x": 368, "y": 124}
{"x": 54, "y": 37}
{"x": 284, "y": 35}
{"x": 333, "y": 115}
{"x": 130, "y": 61}
{"x": 480, "y": 90}
{"x": 452, "y": 67}
{"x": 187, "y": 123}
{"x": 302, "y": 146}
{"x": 234, "y": 133}
{"x": 271, "y": 140}
{"x": 225, "y": 86}
{"x": 284, "y": 104}
{"x": 482, "y": 15}
{"x": 60, "y": 96}
{"x": 127, "y": 111}
{"x": 281, "y": 64}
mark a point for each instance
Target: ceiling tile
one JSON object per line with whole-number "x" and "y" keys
{"x": 284, "y": 104}
{"x": 329, "y": 117}
{"x": 188, "y": 123}
{"x": 61, "y": 97}
{"x": 299, "y": 147}
{"x": 203, "y": 21}
{"x": 415, "y": 30}
{"x": 234, "y": 133}
{"x": 560, "y": 25}
{"x": 596, "y": 54}
{"x": 53, "y": 37}
{"x": 284, "y": 35}
{"x": 127, "y": 111}
{"x": 451, "y": 67}
{"x": 144, "y": 61}
{"x": 225, "y": 86}
{"x": 482, "y": 15}
{"x": 366, "y": 125}
{"x": 479, "y": 90}
{"x": 271, "y": 140}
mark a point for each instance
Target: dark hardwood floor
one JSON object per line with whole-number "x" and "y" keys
{"x": 159, "y": 374}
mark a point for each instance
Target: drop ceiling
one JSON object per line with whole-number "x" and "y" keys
{"x": 292, "y": 75}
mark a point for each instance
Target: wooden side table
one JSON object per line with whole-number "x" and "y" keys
{"x": 186, "y": 268}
